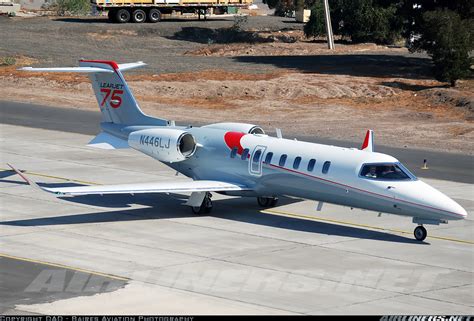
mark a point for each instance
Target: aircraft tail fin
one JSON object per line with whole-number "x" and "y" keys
{"x": 116, "y": 101}
{"x": 368, "y": 144}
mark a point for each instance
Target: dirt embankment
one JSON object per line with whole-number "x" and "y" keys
{"x": 420, "y": 113}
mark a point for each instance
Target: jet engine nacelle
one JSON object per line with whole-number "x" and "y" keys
{"x": 164, "y": 144}
{"x": 238, "y": 127}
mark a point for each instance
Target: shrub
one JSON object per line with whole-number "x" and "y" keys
{"x": 64, "y": 7}
{"x": 7, "y": 61}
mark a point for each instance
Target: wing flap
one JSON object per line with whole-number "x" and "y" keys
{"x": 143, "y": 188}
{"x": 139, "y": 188}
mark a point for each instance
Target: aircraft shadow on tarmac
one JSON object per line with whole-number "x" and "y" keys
{"x": 160, "y": 206}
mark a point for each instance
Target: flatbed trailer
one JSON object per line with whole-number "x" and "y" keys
{"x": 139, "y": 11}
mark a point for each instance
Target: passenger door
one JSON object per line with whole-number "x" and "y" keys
{"x": 255, "y": 164}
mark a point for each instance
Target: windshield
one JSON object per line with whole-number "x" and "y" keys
{"x": 386, "y": 171}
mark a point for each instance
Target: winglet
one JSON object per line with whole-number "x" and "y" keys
{"x": 368, "y": 144}
{"x": 26, "y": 179}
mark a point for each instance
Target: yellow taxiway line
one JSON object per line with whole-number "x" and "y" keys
{"x": 111, "y": 276}
{"x": 51, "y": 176}
{"x": 322, "y": 219}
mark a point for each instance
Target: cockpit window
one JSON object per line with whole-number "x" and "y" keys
{"x": 386, "y": 171}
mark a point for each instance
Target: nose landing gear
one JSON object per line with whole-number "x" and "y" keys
{"x": 420, "y": 233}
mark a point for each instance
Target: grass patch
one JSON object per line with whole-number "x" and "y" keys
{"x": 7, "y": 61}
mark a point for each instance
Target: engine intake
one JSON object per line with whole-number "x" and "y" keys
{"x": 164, "y": 144}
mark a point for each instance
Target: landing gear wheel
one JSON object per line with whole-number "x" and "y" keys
{"x": 122, "y": 16}
{"x": 420, "y": 233}
{"x": 154, "y": 15}
{"x": 206, "y": 206}
{"x": 267, "y": 201}
{"x": 138, "y": 16}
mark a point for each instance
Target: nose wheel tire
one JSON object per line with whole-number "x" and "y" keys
{"x": 267, "y": 201}
{"x": 420, "y": 233}
{"x": 206, "y": 206}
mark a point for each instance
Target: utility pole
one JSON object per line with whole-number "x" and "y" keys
{"x": 327, "y": 17}
{"x": 299, "y": 9}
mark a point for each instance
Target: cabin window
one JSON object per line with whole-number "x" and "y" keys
{"x": 296, "y": 163}
{"x": 268, "y": 158}
{"x": 245, "y": 154}
{"x": 386, "y": 171}
{"x": 233, "y": 152}
{"x": 311, "y": 164}
{"x": 282, "y": 160}
{"x": 326, "y": 166}
{"x": 256, "y": 156}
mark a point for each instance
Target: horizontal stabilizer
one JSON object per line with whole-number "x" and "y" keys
{"x": 108, "y": 66}
{"x": 132, "y": 65}
{"x": 86, "y": 70}
{"x": 107, "y": 141}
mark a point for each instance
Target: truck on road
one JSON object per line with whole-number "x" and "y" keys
{"x": 139, "y": 11}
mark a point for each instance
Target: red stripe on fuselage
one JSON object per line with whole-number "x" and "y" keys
{"x": 362, "y": 190}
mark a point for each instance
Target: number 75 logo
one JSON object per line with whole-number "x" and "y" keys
{"x": 114, "y": 95}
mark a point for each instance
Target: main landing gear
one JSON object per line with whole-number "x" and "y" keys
{"x": 267, "y": 201}
{"x": 420, "y": 233}
{"x": 206, "y": 205}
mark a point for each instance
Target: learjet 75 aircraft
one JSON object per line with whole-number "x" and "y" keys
{"x": 241, "y": 160}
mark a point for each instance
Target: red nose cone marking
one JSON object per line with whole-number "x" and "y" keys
{"x": 232, "y": 139}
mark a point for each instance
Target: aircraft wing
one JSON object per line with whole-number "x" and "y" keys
{"x": 136, "y": 188}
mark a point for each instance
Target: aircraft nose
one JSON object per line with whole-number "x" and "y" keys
{"x": 456, "y": 210}
{"x": 437, "y": 203}
{"x": 450, "y": 208}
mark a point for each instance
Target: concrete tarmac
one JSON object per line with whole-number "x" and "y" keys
{"x": 290, "y": 259}
{"x": 26, "y": 281}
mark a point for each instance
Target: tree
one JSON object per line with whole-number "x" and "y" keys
{"x": 283, "y": 7}
{"x": 445, "y": 30}
{"x": 360, "y": 20}
{"x": 448, "y": 39}
{"x": 413, "y": 10}
{"x": 315, "y": 27}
